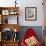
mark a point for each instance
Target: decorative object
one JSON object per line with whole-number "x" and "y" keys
{"x": 15, "y": 3}
{"x": 13, "y": 12}
{"x": 7, "y": 34}
{"x": 30, "y": 13}
{"x": 6, "y": 21}
{"x": 5, "y": 12}
{"x": 15, "y": 37}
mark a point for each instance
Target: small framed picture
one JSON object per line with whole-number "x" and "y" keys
{"x": 5, "y": 12}
{"x": 30, "y": 13}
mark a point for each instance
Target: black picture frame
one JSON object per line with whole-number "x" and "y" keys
{"x": 30, "y": 13}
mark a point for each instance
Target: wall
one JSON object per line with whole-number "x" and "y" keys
{"x": 45, "y": 22}
{"x": 26, "y": 3}
{"x": 37, "y": 25}
{"x": 44, "y": 13}
{"x": 32, "y": 3}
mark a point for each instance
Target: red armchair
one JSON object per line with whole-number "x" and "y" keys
{"x": 28, "y": 38}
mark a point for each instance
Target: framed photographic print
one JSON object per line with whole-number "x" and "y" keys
{"x": 5, "y": 12}
{"x": 31, "y": 13}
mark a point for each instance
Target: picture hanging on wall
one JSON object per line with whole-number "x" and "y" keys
{"x": 30, "y": 13}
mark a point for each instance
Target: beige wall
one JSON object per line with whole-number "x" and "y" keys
{"x": 26, "y": 3}
{"x": 44, "y": 12}
{"x": 44, "y": 21}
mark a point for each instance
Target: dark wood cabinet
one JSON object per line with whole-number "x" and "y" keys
{"x": 5, "y": 12}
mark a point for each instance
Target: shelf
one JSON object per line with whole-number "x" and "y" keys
{"x": 9, "y": 11}
{"x": 8, "y": 8}
{"x": 11, "y": 41}
{"x": 10, "y": 19}
{"x": 5, "y": 12}
{"x": 10, "y": 26}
